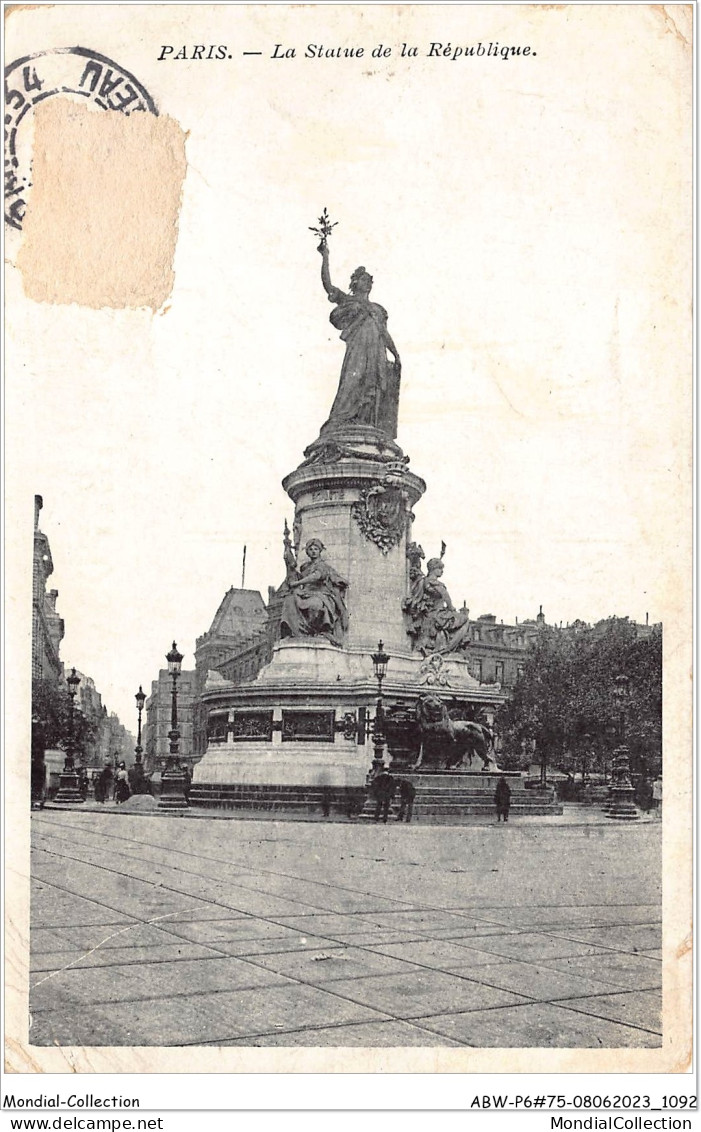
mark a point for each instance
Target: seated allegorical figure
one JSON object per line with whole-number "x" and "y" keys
{"x": 314, "y": 605}
{"x": 436, "y": 626}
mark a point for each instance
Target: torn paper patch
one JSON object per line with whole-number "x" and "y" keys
{"x": 101, "y": 221}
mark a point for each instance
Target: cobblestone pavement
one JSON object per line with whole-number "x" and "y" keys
{"x": 153, "y": 930}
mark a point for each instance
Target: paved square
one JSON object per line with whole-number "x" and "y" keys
{"x": 187, "y": 930}
{"x": 536, "y": 1026}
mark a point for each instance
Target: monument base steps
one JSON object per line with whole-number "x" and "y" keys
{"x": 440, "y": 798}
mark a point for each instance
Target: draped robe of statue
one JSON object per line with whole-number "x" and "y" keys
{"x": 317, "y": 608}
{"x": 437, "y": 626}
{"x": 368, "y": 391}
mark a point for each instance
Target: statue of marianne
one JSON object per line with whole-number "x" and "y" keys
{"x": 368, "y": 392}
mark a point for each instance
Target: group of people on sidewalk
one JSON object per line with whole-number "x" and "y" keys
{"x": 120, "y": 785}
{"x": 648, "y": 795}
{"x": 383, "y": 786}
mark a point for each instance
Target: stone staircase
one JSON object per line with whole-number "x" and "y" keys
{"x": 346, "y": 800}
{"x": 443, "y": 797}
{"x": 448, "y": 796}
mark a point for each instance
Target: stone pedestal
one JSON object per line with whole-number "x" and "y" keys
{"x": 69, "y": 788}
{"x": 621, "y": 806}
{"x": 172, "y": 795}
{"x": 303, "y": 724}
{"x": 360, "y": 506}
{"x": 332, "y": 689}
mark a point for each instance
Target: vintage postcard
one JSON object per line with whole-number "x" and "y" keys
{"x": 348, "y": 524}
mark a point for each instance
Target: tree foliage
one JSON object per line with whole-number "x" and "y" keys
{"x": 566, "y": 702}
{"x": 52, "y": 726}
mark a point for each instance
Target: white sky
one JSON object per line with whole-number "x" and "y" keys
{"x": 527, "y": 226}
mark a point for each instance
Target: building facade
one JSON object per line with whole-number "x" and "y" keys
{"x": 47, "y": 625}
{"x": 497, "y": 652}
{"x": 240, "y": 635}
{"x": 111, "y": 740}
{"x": 115, "y": 742}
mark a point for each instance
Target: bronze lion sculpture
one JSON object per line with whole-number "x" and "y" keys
{"x": 448, "y": 743}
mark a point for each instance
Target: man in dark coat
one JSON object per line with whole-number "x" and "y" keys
{"x": 502, "y": 799}
{"x": 138, "y": 783}
{"x": 38, "y": 781}
{"x": 382, "y": 788}
{"x": 407, "y": 793}
{"x": 103, "y": 788}
{"x": 643, "y": 794}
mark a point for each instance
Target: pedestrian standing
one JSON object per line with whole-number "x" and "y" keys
{"x": 137, "y": 780}
{"x": 382, "y": 787}
{"x": 121, "y": 786}
{"x": 407, "y": 793}
{"x": 502, "y": 799}
{"x": 38, "y": 781}
{"x": 103, "y": 786}
{"x": 643, "y": 794}
{"x": 657, "y": 796}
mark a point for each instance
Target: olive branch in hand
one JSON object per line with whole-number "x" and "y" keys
{"x": 325, "y": 227}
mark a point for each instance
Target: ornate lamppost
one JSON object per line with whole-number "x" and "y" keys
{"x": 137, "y": 778}
{"x": 585, "y": 757}
{"x": 622, "y": 806}
{"x": 543, "y": 762}
{"x": 380, "y": 660}
{"x": 69, "y": 782}
{"x": 608, "y": 744}
{"x": 140, "y": 698}
{"x": 530, "y": 749}
{"x": 173, "y": 779}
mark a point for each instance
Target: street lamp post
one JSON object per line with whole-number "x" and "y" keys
{"x": 622, "y": 806}
{"x": 140, "y": 698}
{"x": 543, "y": 763}
{"x": 380, "y": 660}
{"x": 173, "y": 779}
{"x": 608, "y": 744}
{"x": 137, "y": 778}
{"x": 585, "y": 757}
{"x": 69, "y": 782}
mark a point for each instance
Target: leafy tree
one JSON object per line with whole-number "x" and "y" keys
{"x": 566, "y": 701}
{"x": 51, "y": 722}
{"x": 537, "y": 713}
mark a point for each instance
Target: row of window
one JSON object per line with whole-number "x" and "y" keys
{"x": 476, "y": 667}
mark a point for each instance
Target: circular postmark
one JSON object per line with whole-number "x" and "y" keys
{"x": 64, "y": 70}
